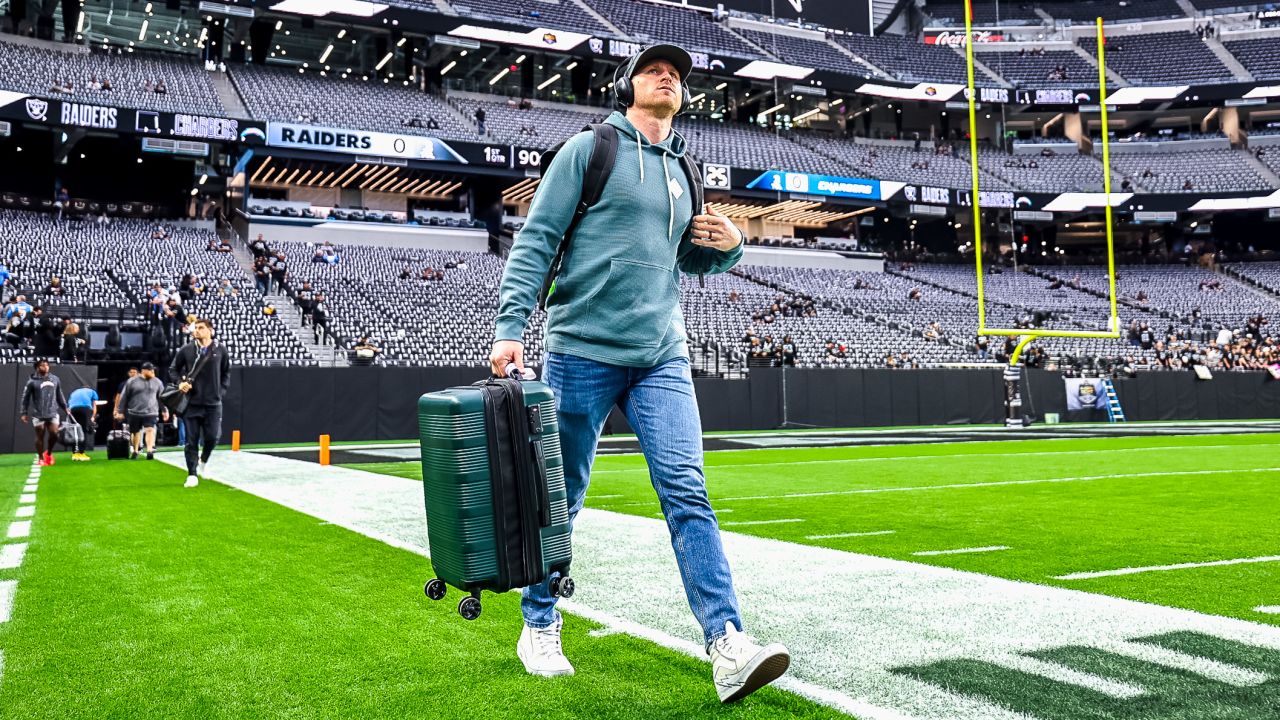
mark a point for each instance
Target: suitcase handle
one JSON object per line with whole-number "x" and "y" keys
{"x": 544, "y": 493}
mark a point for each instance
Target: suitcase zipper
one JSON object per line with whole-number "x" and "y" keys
{"x": 495, "y": 485}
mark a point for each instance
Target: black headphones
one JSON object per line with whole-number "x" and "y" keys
{"x": 624, "y": 93}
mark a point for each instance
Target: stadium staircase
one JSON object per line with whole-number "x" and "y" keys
{"x": 1262, "y": 169}
{"x": 228, "y": 95}
{"x": 1240, "y": 72}
{"x": 288, "y": 312}
{"x": 599, "y": 18}
{"x": 1088, "y": 57}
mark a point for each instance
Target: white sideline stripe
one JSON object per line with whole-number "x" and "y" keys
{"x": 1041, "y": 453}
{"x": 1064, "y": 674}
{"x": 1162, "y": 568}
{"x": 30, "y": 488}
{"x": 1212, "y": 669}
{"x": 994, "y": 483}
{"x": 604, "y": 497}
{"x": 26, "y": 498}
{"x": 7, "y": 589}
{"x": 11, "y": 555}
{"x": 19, "y": 529}
{"x": 26, "y": 511}
{"x": 961, "y": 551}
{"x": 742, "y": 523}
{"x": 849, "y": 535}
{"x": 878, "y": 614}
{"x": 1268, "y": 609}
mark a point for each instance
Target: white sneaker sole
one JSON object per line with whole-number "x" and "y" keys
{"x": 768, "y": 665}
{"x": 541, "y": 673}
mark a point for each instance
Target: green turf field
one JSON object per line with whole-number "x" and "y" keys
{"x": 139, "y": 599}
{"x": 1059, "y": 506}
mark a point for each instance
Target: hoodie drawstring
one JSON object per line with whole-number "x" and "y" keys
{"x": 666, "y": 178}
{"x": 640, "y": 157}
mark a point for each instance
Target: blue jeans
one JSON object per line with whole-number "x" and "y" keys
{"x": 660, "y": 405}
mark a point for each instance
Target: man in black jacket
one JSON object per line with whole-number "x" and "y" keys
{"x": 203, "y": 417}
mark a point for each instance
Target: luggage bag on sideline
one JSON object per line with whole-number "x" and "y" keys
{"x": 493, "y": 481}
{"x": 118, "y": 445}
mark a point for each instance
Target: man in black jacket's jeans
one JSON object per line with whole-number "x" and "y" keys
{"x": 203, "y": 417}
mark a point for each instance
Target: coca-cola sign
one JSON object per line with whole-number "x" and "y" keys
{"x": 955, "y": 38}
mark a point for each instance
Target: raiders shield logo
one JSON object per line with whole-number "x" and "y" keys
{"x": 38, "y": 109}
{"x": 596, "y": 45}
{"x": 1088, "y": 395}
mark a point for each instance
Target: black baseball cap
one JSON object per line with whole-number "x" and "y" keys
{"x": 148, "y": 366}
{"x": 673, "y": 54}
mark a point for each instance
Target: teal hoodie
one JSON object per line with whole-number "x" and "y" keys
{"x": 617, "y": 297}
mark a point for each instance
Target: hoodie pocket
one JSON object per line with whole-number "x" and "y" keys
{"x": 632, "y": 308}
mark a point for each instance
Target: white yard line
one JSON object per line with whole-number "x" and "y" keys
{"x": 1163, "y": 568}
{"x": 7, "y": 589}
{"x": 11, "y": 555}
{"x": 742, "y": 523}
{"x": 30, "y": 488}
{"x": 849, "y": 535}
{"x": 936, "y": 456}
{"x": 25, "y": 511}
{"x": 1268, "y": 609}
{"x": 27, "y": 498}
{"x": 994, "y": 483}
{"x": 874, "y": 615}
{"x": 961, "y": 551}
{"x": 19, "y": 529}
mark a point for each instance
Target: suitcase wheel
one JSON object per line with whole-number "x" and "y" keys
{"x": 435, "y": 589}
{"x": 469, "y": 608}
{"x": 562, "y": 587}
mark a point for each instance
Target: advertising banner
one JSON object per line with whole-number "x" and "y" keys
{"x": 1084, "y": 393}
{"x": 360, "y": 142}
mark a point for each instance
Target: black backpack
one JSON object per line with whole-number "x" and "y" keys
{"x": 599, "y": 167}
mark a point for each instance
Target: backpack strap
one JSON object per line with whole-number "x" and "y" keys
{"x": 599, "y": 167}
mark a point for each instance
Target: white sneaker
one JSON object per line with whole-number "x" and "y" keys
{"x": 540, "y": 651}
{"x": 740, "y": 667}
{"x": 192, "y": 481}
{"x": 201, "y": 469}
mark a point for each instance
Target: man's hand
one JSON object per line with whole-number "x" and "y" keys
{"x": 120, "y": 416}
{"x": 184, "y": 386}
{"x": 24, "y": 419}
{"x": 714, "y": 230}
{"x": 504, "y": 353}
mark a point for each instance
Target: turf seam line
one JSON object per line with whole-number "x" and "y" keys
{"x": 780, "y": 521}
{"x": 961, "y": 551}
{"x": 1162, "y": 568}
{"x": 995, "y": 483}
{"x": 849, "y": 535}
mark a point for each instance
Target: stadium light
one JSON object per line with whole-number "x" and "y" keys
{"x": 804, "y": 115}
{"x": 571, "y": 65}
{"x": 548, "y": 81}
{"x": 722, "y": 86}
{"x": 403, "y": 40}
{"x": 80, "y": 23}
{"x": 774, "y": 109}
{"x": 450, "y": 66}
{"x": 142, "y": 32}
{"x": 147, "y": 9}
{"x": 385, "y": 59}
{"x": 342, "y": 33}
{"x": 203, "y": 178}
{"x": 499, "y": 76}
{"x": 325, "y": 55}
{"x": 697, "y": 97}
{"x": 520, "y": 59}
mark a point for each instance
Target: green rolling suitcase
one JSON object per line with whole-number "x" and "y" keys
{"x": 493, "y": 480}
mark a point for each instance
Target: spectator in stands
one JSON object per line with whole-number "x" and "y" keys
{"x": 48, "y": 333}
{"x": 628, "y": 346}
{"x": 306, "y": 299}
{"x": 72, "y": 349}
{"x": 42, "y": 398}
{"x": 160, "y": 88}
{"x": 365, "y": 351}
{"x": 82, "y": 405}
{"x": 983, "y": 346}
{"x": 479, "y": 116}
{"x": 279, "y": 269}
{"x": 139, "y": 407}
{"x": 914, "y": 294}
{"x": 61, "y": 200}
{"x": 414, "y": 122}
{"x": 205, "y": 387}
{"x": 262, "y": 275}
{"x": 405, "y": 273}
{"x": 173, "y": 318}
{"x": 787, "y": 351}
{"x": 258, "y": 247}
{"x": 319, "y": 318}
{"x": 106, "y": 85}
{"x": 432, "y": 124}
